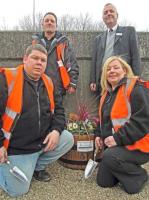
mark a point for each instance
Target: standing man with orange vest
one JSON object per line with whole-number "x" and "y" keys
{"x": 32, "y": 122}
{"x": 62, "y": 65}
{"x": 124, "y": 127}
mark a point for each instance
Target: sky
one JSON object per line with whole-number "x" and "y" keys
{"x": 134, "y": 12}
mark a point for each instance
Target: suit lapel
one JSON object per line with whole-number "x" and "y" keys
{"x": 119, "y": 33}
{"x": 103, "y": 39}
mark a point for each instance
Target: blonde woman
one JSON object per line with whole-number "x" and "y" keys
{"x": 124, "y": 127}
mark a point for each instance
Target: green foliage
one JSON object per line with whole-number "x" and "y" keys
{"x": 81, "y": 127}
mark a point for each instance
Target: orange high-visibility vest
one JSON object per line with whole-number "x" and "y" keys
{"x": 15, "y": 79}
{"x": 121, "y": 113}
{"x": 63, "y": 71}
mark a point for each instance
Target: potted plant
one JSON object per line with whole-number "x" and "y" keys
{"x": 82, "y": 125}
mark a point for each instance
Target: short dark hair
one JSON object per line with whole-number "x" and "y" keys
{"x": 37, "y": 47}
{"x": 51, "y": 13}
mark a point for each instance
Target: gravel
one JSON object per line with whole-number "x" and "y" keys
{"x": 68, "y": 184}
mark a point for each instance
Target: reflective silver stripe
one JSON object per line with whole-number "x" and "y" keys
{"x": 129, "y": 109}
{"x": 10, "y": 113}
{"x": 10, "y": 87}
{"x": 60, "y": 63}
{"x": 128, "y": 103}
{"x": 119, "y": 122}
{"x": 52, "y": 111}
{"x": 126, "y": 98}
{"x": 6, "y": 134}
{"x": 122, "y": 121}
{"x": 127, "y": 83}
{"x": 72, "y": 83}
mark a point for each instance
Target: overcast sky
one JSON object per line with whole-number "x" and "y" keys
{"x": 135, "y": 12}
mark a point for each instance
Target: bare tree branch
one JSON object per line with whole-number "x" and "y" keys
{"x": 26, "y": 23}
{"x": 82, "y": 22}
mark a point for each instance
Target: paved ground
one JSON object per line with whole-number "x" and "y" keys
{"x": 67, "y": 184}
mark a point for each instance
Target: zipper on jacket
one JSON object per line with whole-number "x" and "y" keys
{"x": 38, "y": 110}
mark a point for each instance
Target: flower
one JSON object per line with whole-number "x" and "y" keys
{"x": 81, "y": 122}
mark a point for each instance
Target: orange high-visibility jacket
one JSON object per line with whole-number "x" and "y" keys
{"x": 121, "y": 113}
{"x": 63, "y": 71}
{"x": 15, "y": 79}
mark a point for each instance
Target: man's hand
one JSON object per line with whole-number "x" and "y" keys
{"x": 110, "y": 142}
{"x": 71, "y": 90}
{"x": 98, "y": 143}
{"x": 93, "y": 87}
{"x": 3, "y": 155}
{"x": 51, "y": 140}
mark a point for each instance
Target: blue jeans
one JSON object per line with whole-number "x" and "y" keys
{"x": 30, "y": 162}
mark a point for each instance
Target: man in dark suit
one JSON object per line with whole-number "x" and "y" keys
{"x": 116, "y": 40}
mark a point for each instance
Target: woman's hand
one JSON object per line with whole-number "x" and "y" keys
{"x": 98, "y": 143}
{"x": 110, "y": 142}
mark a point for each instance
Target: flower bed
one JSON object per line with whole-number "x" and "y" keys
{"x": 81, "y": 122}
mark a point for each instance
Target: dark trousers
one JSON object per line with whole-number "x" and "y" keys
{"x": 121, "y": 165}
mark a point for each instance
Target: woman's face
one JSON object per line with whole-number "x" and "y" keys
{"x": 115, "y": 72}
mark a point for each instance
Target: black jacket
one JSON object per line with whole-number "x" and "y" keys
{"x": 36, "y": 119}
{"x": 138, "y": 125}
{"x": 69, "y": 61}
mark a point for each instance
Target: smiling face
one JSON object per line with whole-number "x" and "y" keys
{"x": 115, "y": 72}
{"x": 35, "y": 64}
{"x": 110, "y": 15}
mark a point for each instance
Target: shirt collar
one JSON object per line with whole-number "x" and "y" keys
{"x": 114, "y": 28}
{"x": 121, "y": 82}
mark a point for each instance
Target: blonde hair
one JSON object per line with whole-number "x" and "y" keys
{"x": 125, "y": 65}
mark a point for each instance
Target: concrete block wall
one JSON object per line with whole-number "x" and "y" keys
{"x": 13, "y": 44}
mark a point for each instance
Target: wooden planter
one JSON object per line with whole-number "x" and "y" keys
{"x": 75, "y": 159}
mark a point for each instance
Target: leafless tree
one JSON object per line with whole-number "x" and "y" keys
{"x": 26, "y": 23}
{"x": 79, "y": 23}
{"x": 3, "y": 26}
{"x": 66, "y": 22}
{"x": 82, "y": 22}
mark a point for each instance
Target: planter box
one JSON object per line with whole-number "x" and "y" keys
{"x": 80, "y": 153}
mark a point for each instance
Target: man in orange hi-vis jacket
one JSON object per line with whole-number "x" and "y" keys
{"x": 32, "y": 123}
{"x": 62, "y": 65}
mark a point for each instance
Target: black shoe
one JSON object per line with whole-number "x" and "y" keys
{"x": 42, "y": 175}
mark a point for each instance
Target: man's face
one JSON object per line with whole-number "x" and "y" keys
{"x": 35, "y": 64}
{"x": 49, "y": 24}
{"x": 110, "y": 16}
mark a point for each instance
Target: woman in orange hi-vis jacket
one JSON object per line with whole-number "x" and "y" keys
{"x": 123, "y": 131}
